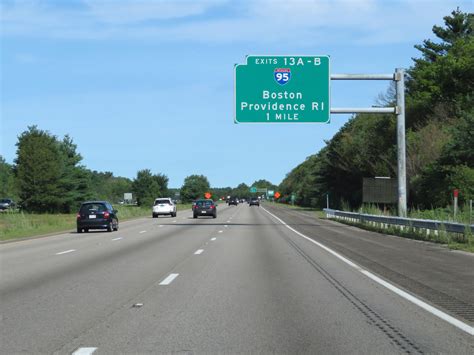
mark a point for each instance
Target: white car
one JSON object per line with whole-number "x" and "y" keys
{"x": 164, "y": 206}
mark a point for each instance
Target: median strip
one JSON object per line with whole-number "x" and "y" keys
{"x": 66, "y": 252}
{"x": 168, "y": 280}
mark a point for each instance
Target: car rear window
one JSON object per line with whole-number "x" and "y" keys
{"x": 93, "y": 207}
{"x": 162, "y": 202}
{"x": 204, "y": 203}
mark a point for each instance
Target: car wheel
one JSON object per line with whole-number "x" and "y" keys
{"x": 214, "y": 216}
{"x": 195, "y": 216}
{"x": 154, "y": 215}
{"x": 109, "y": 227}
{"x": 79, "y": 230}
{"x": 86, "y": 230}
{"x": 116, "y": 227}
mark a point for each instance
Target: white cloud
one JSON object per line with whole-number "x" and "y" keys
{"x": 259, "y": 21}
{"x": 123, "y": 11}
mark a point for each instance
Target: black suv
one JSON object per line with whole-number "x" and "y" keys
{"x": 97, "y": 215}
{"x": 204, "y": 208}
{"x": 233, "y": 201}
{"x": 254, "y": 201}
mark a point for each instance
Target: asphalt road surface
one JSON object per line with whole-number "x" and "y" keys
{"x": 253, "y": 280}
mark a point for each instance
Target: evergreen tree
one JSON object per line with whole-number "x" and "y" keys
{"x": 38, "y": 171}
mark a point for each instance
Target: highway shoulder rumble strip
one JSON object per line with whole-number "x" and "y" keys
{"x": 427, "y": 307}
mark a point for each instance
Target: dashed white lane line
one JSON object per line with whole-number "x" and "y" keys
{"x": 84, "y": 351}
{"x": 117, "y": 238}
{"x": 141, "y": 232}
{"x": 213, "y": 239}
{"x": 199, "y": 251}
{"x": 66, "y": 252}
{"x": 175, "y": 221}
{"x": 225, "y": 226}
{"x": 160, "y": 225}
{"x": 433, "y": 310}
{"x": 169, "y": 279}
{"x": 220, "y": 231}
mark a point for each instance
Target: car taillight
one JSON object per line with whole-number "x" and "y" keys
{"x": 106, "y": 214}
{"x": 212, "y": 206}
{"x": 195, "y": 206}
{"x": 78, "y": 216}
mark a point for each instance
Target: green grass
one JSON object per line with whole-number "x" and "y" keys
{"x": 23, "y": 225}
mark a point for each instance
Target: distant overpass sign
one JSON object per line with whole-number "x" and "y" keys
{"x": 282, "y": 89}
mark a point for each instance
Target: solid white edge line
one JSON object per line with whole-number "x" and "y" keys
{"x": 169, "y": 279}
{"x": 427, "y": 307}
{"x": 84, "y": 351}
{"x": 199, "y": 251}
{"x": 66, "y": 251}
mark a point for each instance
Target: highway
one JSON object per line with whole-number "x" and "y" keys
{"x": 253, "y": 280}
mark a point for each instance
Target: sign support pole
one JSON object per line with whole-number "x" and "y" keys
{"x": 399, "y": 110}
{"x": 401, "y": 145}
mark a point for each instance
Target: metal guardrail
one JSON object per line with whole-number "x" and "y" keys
{"x": 400, "y": 221}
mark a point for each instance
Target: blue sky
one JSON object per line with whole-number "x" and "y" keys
{"x": 149, "y": 84}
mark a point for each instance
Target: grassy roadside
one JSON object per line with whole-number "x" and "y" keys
{"x": 451, "y": 240}
{"x": 23, "y": 225}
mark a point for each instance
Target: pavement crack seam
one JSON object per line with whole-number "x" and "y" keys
{"x": 395, "y": 336}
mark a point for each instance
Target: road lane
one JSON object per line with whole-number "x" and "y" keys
{"x": 47, "y": 299}
{"x": 260, "y": 288}
{"x": 257, "y": 287}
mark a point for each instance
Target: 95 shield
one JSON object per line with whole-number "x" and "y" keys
{"x": 282, "y": 75}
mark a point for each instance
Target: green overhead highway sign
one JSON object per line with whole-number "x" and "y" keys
{"x": 253, "y": 189}
{"x": 282, "y": 89}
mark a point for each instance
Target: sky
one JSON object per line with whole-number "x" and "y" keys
{"x": 150, "y": 84}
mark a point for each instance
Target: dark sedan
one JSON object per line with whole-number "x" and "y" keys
{"x": 6, "y": 204}
{"x": 97, "y": 215}
{"x": 204, "y": 208}
{"x": 254, "y": 201}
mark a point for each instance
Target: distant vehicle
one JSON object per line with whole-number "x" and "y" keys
{"x": 6, "y": 204}
{"x": 233, "y": 201}
{"x": 97, "y": 215}
{"x": 254, "y": 201}
{"x": 204, "y": 207}
{"x": 164, "y": 206}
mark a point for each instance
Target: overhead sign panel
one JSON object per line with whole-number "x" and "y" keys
{"x": 282, "y": 89}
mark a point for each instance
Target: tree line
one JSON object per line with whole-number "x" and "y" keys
{"x": 440, "y": 132}
{"x": 47, "y": 177}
